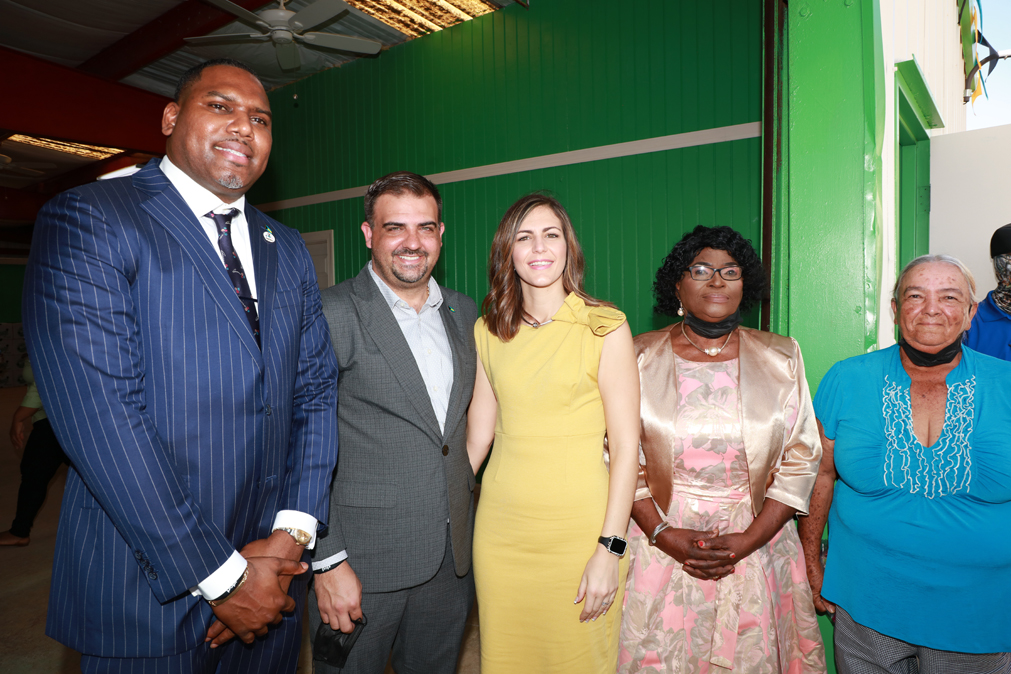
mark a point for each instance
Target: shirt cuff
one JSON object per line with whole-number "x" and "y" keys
{"x": 293, "y": 519}
{"x": 219, "y": 582}
{"x": 330, "y": 561}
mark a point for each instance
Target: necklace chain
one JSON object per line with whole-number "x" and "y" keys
{"x": 535, "y": 324}
{"x": 712, "y": 352}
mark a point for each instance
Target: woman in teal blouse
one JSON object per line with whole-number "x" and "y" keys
{"x": 919, "y": 566}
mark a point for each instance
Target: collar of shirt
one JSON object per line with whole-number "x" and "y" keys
{"x": 200, "y": 200}
{"x": 434, "y": 300}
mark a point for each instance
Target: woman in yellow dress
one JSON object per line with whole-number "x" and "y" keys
{"x": 558, "y": 370}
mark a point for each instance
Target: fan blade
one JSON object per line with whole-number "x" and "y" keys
{"x": 231, "y": 38}
{"x": 22, "y": 169}
{"x": 287, "y": 56}
{"x": 242, "y": 13}
{"x": 34, "y": 165}
{"x": 318, "y": 12}
{"x": 359, "y": 45}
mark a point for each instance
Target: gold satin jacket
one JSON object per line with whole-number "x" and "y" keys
{"x": 782, "y": 459}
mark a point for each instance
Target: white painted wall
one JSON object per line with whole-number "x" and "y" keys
{"x": 970, "y": 196}
{"x": 927, "y": 30}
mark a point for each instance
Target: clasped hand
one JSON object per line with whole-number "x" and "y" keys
{"x": 259, "y": 603}
{"x": 705, "y": 555}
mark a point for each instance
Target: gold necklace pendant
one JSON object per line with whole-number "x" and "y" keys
{"x": 712, "y": 351}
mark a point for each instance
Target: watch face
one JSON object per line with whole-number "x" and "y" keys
{"x": 618, "y": 546}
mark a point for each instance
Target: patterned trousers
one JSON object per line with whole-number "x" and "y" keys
{"x": 861, "y": 650}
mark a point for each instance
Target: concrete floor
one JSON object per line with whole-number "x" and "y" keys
{"x": 24, "y": 592}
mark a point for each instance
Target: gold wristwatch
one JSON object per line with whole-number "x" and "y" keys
{"x": 301, "y": 537}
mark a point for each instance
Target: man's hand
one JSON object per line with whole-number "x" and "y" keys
{"x": 279, "y": 544}
{"x": 339, "y": 595}
{"x": 258, "y": 603}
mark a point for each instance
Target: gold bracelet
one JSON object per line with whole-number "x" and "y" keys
{"x": 231, "y": 591}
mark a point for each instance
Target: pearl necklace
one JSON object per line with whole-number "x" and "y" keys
{"x": 712, "y": 351}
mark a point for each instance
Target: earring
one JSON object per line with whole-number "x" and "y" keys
{"x": 681, "y": 311}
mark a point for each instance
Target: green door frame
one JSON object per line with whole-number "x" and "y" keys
{"x": 915, "y": 113}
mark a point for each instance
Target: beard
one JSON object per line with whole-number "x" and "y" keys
{"x": 414, "y": 274}
{"x": 231, "y": 181}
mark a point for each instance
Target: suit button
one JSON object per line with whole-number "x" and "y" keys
{"x": 445, "y": 450}
{"x": 267, "y": 408}
{"x": 153, "y": 575}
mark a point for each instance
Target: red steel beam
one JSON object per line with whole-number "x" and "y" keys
{"x": 53, "y": 101}
{"x": 161, "y": 37}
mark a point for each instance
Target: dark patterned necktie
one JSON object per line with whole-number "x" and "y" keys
{"x": 223, "y": 221}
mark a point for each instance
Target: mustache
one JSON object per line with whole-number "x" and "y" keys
{"x": 409, "y": 251}
{"x": 241, "y": 141}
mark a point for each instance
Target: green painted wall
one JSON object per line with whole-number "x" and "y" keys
{"x": 836, "y": 112}
{"x": 520, "y": 83}
{"x": 12, "y": 281}
{"x": 832, "y": 270}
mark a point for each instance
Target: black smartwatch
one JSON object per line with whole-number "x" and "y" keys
{"x": 616, "y": 545}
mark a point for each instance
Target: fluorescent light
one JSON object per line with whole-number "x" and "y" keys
{"x": 418, "y": 17}
{"x": 78, "y": 149}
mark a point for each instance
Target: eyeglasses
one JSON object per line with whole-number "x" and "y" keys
{"x": 701, "y": 272}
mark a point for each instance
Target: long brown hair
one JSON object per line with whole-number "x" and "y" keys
{"x": 503, "y": 306}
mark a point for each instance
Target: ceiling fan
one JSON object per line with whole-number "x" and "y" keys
{"x": 286, "y": 29}
{"x": 28, "y": 168}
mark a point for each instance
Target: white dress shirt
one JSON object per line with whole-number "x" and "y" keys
{"x": 201, "y": 201}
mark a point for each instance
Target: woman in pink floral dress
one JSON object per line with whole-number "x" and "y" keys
{"x": 730, "y": 452}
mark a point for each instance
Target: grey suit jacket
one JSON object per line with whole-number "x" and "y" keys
{"x": 398, "y": 477}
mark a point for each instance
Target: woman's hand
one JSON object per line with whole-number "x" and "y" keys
{"x": 735, "y": 548}
{"x": 688, "y": 545}
{"x": 815, "y": 577}
{"x": 599, "y": 584}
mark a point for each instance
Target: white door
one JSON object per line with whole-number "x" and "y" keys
{"x": 320, "y": 245}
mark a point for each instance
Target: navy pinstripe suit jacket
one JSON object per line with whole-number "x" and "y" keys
{"x": 185, "y": 438}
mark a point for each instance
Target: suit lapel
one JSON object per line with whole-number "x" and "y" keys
{"x": 265, "y": 265}
{"x": 457, "y": 343}
{"x": 378, "y": 321}
{"x": 167, "y": 207}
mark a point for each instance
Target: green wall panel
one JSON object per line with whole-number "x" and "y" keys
{"x": 836, "y": 113}
{"x": 12, "y": 281}
{"x": 564, "y": 75}
{"x": 628, "y": 212}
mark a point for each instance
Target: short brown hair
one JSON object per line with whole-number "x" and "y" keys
{"x": 397, "y": 183}
{"x": 503, "y": 306}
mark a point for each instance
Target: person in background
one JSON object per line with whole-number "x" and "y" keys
{"x": 401, "y": 505}
{"x": 177, "y": 338}
{"x": 556, "y": 372}
{"x": 915, "y": 484}
{"x": 990, "y": 332}
{"x": 41, "y": 458}
{"x": 730, "y": 453}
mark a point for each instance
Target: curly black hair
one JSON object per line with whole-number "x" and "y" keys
{"x": 687, "y": 249}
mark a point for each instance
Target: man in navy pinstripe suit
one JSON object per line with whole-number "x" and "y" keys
{"x": 180, "y": 345}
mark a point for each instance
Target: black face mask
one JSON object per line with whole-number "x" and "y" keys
{"x": 942, "y": 357}
{"x": 713, "y": 330}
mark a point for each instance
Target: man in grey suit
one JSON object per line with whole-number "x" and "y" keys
{"x": 401, "y": 507}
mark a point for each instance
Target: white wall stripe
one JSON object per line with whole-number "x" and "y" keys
{"x": 676, "y": 141}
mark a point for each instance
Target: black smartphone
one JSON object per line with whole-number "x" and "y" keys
{"x": 333, "y": 646}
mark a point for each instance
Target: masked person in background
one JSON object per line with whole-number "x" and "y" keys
{"x": 990, "y": 332}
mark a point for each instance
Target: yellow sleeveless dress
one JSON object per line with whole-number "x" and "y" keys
{"x": 543, "y": 498}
